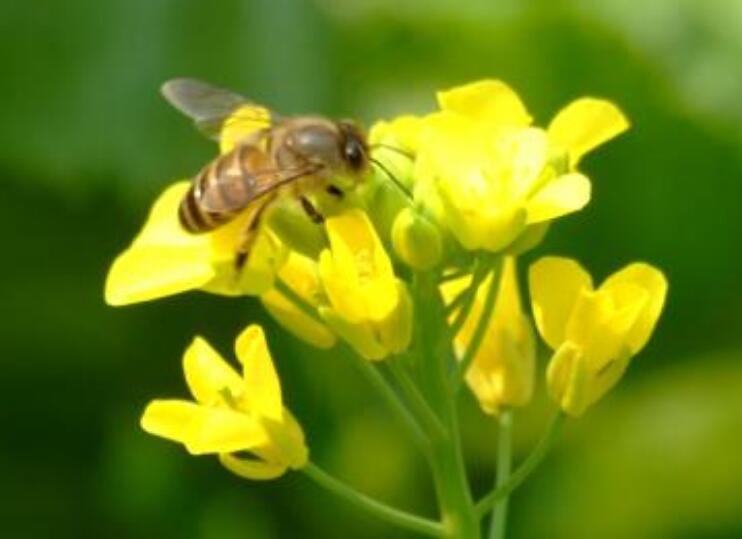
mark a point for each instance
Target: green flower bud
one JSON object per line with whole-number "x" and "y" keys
{"x": 291, "y": 224}
{"x": 416, "y": 240}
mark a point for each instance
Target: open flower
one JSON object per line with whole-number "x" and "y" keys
{"x": 594, "y": 332}
{"x": 232, "y": 414}
{"x": 502, "y": 372}
{"x": 488, "y": 175}
{"x": 165, "y": 259}
{"x": 369, "y": 307}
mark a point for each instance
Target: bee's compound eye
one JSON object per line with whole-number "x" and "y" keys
{"x": 354, "y": 154}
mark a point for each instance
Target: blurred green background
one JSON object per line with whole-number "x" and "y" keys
{"x": 86, "y": 143}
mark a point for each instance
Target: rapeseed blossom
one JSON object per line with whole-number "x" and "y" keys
{"x": 416, "y": 266}
{"x": 369, "y": 306}
{"x": 487, "y": 173}
{"x": 594, "y": 332}
{"x": 503, "y": 370}
{"x": 232, "y": 414}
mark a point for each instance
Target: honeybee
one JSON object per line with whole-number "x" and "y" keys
{"x": 297, "y": 156}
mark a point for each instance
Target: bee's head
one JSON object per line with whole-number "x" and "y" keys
{"x": 354, "y": 148}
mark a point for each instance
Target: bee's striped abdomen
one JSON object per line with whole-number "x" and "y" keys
{"x": 197, "y": 220}
{"x": 220, "y": 191}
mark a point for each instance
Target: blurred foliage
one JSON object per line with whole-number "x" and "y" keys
{"x": 86, "y": 143}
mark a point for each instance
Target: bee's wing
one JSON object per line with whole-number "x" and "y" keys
{"x": 210, "y": 106}
{"x": 233, "y": 189}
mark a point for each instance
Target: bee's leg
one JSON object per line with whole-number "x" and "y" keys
{"x": 312, "y": 212}
{"x": 250, "y": 234}
{"x": 335, "y": 191}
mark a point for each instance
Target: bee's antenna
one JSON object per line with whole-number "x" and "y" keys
{"x": 400, "y": 151}
{"x": 405, "y": 191}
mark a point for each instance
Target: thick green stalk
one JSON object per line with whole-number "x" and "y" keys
{"x": 504, "y": 461}
{"x": 449, "y": 472}
{"x": 380, "y": 510}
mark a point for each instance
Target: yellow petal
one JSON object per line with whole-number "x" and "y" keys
{"x": 503, "y": 370}
{"x": 341, "y": 287}
{"x": 241, "y": 124}
{"x": 403, "y": 133}
{"x": 150, "y": 272}
{"x": 585, "y": 124}
{"x": 491, "y": 102}
{"x": 169, "y": 419}
{"x": 221, "y": 430}
{"x": 395, "y": 332}
{"x": 561, "y": 196}
{"x": 358, "y": 275}
{"x": 654, "y": 283}
{"x": 208, "y": 375}
{"x": 359, "y": 335}
{"x": 508, "y": 307}
{"x": 262, "y": 386}
{"x": 522, "y": 154}
{"x": 555, "y": 284}
{"x": 253, "y": 469}
{"x": 287, "y": 442}
{"x": 600, "y": 325}
{"x": 163, "y": 259}
{"x": 295, "y": 320}
{"x": 567, "y": 379}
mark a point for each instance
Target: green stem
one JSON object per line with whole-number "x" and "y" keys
{"x": 286, "y": 291}
{"x": 417, "y": 400}
{"x": 470, "y": 295}
{"x": 381, "y": 510}
{"x": 481, "y": 329}
{"x": 458, "y": 274}
{"x": 459, "y": 301}
{"x": 504, "y": 461}
{"x": 368, "y": 370}
{"x": 521, "y": 474}
{"x": 382, "y": 387}
{"x": 449, "y": 471}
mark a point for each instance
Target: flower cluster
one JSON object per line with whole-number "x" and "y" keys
{"x": 418, "y": 267}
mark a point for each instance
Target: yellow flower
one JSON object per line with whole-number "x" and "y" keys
{"x": 483, "y": 171}
{"x": 164, "y": 259}
{"x": 502, "y": 371}
{"x": 232, "y": 413}
{"x": 594, "y": 332}
{"x": 301, "y": 274}
{"x": 369, "y": 307}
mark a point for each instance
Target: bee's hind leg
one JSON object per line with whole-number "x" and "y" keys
{"x": 313, "y": 213}
{"x": 250, "y": 234}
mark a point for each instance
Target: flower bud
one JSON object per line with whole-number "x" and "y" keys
{"x": 290, "y": 223}
{"x": 416, "y": 240}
